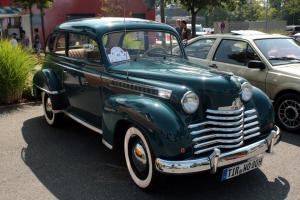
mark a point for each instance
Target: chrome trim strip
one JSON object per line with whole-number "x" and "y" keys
{"x": 251, "y": 130}
{"x": 138, "y": 85}
{"x": 219, "y": 147}
{"x": 219, "y": 141}
{"x": 50, "y": 92}
{"x": 247, "y": 112}
{"x": 251, "y": 136}
{"x": 107, "y": 144}
{"x": 83, "y": 123}
{"x": 225, "y": 118}
{"x": 250, "y": 118}
{"x": 78, "y": 70}
{"x": 226, "y": 112}
{"x": 229, "y": 158}
{"x": 251, "y": 124}
{"x": 218, "y": 123}
{"x": 217, "y": 135}
{"x": 218, "y": 129}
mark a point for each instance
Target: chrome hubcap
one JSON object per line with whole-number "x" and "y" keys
{"x": 288, "y": 113}
{"x": 48, "y": 105}
{"x": 139, "y": 157}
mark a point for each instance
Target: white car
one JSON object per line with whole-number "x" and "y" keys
{"x": 269, "y": 62}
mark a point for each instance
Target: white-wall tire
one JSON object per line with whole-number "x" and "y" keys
{"x": 53, "y": 119}
{"x": 132, "y": 134}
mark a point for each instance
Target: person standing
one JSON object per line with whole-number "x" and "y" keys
{"x": 178, "y": 27}
{"x": 13, "y": 39}
{"x": 37, "y": 44}
{"x": 186, "y": 33}
{"x": 24, "y": 39}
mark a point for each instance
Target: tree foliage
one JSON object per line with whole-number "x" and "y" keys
{"x": 111, "y": 8}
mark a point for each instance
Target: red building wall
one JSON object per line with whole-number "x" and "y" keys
{"x": 60, "y": 8}
{"x": 6, "y": 3}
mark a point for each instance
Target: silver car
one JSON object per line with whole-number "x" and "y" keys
{"x": 269, "y": 62}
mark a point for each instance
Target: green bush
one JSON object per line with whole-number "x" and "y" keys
{"x": 16, "y": 64}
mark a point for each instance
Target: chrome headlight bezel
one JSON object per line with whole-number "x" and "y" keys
{"x": 186, "y": 103}
{"x": 247, "y": 91}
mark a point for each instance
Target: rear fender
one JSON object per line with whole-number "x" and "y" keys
{"x": 47, "y": 80}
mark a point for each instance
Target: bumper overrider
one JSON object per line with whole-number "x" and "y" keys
{"x": 218, "y": 159}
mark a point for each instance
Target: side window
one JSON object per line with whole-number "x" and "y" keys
{"x": 80, "y": 48}
{"x": 200, "y": 48}
{"x": 60, "y": 44}
{"x": 231, "y": 51}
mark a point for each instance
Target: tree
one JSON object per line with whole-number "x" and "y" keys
{"x": 27, "y": 5}
{"x": 160, "y": 4}
{"x": 293, "y": 7}
{"x": 43, "y": 4}
{"x": 194, "y": 6}
{"x": 111, "y": 8}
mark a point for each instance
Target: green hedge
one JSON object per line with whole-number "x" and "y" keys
{"x": 16, "y": 64}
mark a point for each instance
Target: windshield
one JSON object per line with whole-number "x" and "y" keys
{"x": 279, "y": 51}
{"x": 198, "y": 29}
{"x": 136, "y": 45}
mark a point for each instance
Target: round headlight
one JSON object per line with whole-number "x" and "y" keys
{"x": 246, "y": 91}
{"x": 190, "y": 102}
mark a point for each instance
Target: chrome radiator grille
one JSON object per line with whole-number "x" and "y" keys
{"x": 225, "y": 129}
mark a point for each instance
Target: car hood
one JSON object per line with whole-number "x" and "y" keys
{"x": 289, "y": 69}
{"x": 180, "y": 72}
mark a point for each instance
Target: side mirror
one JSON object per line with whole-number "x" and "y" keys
{"x": 256, "y": 64}
{"x": 88, "y": 47}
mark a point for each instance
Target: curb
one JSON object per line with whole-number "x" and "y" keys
{"x": 21, "y": 104}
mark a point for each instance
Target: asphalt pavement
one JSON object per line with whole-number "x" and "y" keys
{"x": 70, "y": 162}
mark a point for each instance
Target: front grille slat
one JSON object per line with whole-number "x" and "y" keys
{"x": 217, "y": 135}
{"x": 224, "y": 129}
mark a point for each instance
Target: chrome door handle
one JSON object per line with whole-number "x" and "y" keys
{"x": 213, "y": 66}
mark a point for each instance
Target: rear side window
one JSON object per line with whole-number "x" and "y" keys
{"x": 56, "y": 44}
{"x": 200, "y": 48}
{"x": 231, "y": 51}
{"x": 60, "y": 44}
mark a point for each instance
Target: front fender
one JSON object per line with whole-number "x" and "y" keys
{"x": 162, "y": 125}
{"x": 265, "y": 110}
{"x": 47, "y": 80}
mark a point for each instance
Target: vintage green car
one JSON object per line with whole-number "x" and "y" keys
{"x": 120, "y": 78}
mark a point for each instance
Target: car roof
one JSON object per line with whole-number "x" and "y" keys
{"x": 110, "y": 24}
{"x": 235, "y": 36}
{"x": 247, "y": 32}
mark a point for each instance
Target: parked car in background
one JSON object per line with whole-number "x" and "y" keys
{"x": 296, "y": 37}
{"x": 269, "y": 62}
{"x": 293, "y": 29}
{"x": 115, "y": 77}
{"x": 199, "y": 29}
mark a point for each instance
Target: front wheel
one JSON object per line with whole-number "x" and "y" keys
{"x": 139, "y": 159}
{"x": 53, "y": 119}
{"x": 287, "y": 108}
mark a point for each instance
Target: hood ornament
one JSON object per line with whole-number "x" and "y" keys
{"x": 222, "y": 73}
{"x": 236, "y": 104}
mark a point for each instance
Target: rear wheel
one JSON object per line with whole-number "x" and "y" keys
{"x": 287, "y": 108}
{"x": 139, "y": 159}
{"x": 53, "y": 119}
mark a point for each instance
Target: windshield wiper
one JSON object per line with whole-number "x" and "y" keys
{"x": 285, "y": 58}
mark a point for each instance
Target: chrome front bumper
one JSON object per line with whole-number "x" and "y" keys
{"x": 217, "y": 159}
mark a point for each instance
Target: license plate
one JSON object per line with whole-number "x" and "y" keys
{"x": 242, "y": 168}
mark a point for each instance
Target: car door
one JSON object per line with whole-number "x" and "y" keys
{"x": 82, "y": 78}
{"x": 233, "y": 56}
{"x": 198, "y": 51}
